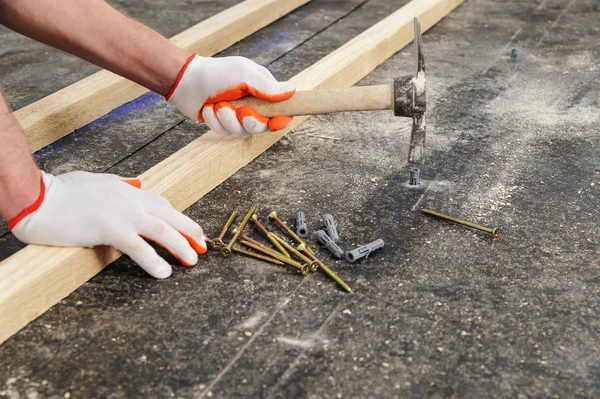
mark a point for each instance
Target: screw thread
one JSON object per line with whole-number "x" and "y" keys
{"x": 292, "y": 249}
{"x": 240, "y": 228}
{"x": 267, "y": 233}
{"x": 274, "y": 254}
{"x": 258, "y": 256}
{"x": 287, "y": 229}
{"x": 335, "y": 277}
{"x": 495, "y": 232}
{"x": 228, "y": 224}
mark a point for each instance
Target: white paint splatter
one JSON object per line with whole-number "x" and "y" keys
{"x": 252, "y": 321}
{"x": 305, "y": 343}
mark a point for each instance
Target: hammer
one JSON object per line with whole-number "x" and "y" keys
{"x": 406, "y": 97}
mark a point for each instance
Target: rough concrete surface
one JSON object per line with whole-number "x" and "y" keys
{"x": 442, "y": 311}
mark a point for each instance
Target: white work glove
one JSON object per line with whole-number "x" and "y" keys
{"x": 205, "y": 85}
{"x": 81, "y": 209}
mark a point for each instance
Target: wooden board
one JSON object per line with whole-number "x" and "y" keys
{"x": 60, "y": 113}
{"x": 37, "y": 277}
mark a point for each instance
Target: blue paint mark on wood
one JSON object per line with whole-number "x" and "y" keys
{"x": 143, "y": 102}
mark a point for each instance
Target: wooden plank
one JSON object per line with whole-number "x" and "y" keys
{"x": 37, "y": 277}
{"x": 60, "y": 113}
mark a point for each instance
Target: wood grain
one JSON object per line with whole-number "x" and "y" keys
{"x": 326, "y": 101}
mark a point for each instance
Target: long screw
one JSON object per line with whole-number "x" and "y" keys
{"x": 218, "y": 242}
{"x": 253, "y": 241}
{"x": 494, "y": 231}
{"x": 325, "y": 269}
{"x": 226, "y": 251}
{"x": 273, "y": 216}
{"x": 264, "y": 249}
{"x": 269, "y": 235}
{"x": 257, "y": 256}
{"x": 313, "y": 264}
{"x": 303, "y": 248}
{"x": 304, "y": 269}
{"x": 335, "y": 277}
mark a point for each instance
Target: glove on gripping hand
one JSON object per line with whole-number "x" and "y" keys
{"x": 206, "y": 85}
{"x": 80, "y": 209}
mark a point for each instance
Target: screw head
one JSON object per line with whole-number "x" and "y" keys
{"x": 305, "y": 270}
{"x": 217, "y": 243}
{"x": 314, "y": 266}
{"x": 496, "y": 232}
{"x": 301, "y": 247}
{"x": 273, "y": 215}
{"x": 225, "y": 251}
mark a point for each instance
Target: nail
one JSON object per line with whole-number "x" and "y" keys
{"x": 257, "y": 256}
{"x": 266, "y": 232}
{"x": 273, "y": 216}
{"x": 304, "y": 269}
{"x": 493, "y": 231}
{"x": 218, "y": 242}
{"x": 293, "y": 250}
{"x": 226, "y": 251}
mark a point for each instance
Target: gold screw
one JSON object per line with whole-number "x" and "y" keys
{"x": 304, "y": 268}
{"x": 335, "y": 277}
{"x": 291, "y": 233}
{"x": 257, "y": 256}
{"x": 302, "y": 247}
{"x": 314, "y": 265}
{"x": 494, "y": 232}
{"x": 269, "y": 235}
{"x": 253, "y": 241}
{"x": 226, "y": 251}
{"x": 315, "y": 261}
{"x": 218, "y": 242}
{"x": 318, "y": 265}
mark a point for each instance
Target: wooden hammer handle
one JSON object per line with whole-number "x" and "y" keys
{"x": 325, "y": 101}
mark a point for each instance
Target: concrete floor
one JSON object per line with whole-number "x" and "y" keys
{"x": 442, "y": 311}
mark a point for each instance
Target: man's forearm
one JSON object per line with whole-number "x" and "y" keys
{"x": 19, "y": 175}
{"x": 96, "y": 32}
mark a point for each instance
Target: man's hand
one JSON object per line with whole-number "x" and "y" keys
{"x": 86, "y": 209}
{"x": 96, "y": 32}
{"x": 205, "y": 85}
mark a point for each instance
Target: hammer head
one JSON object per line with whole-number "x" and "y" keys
{"x": 410, "y": 100}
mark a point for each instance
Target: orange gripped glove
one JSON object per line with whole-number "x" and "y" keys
{"x": 206, "y": 85}
{"x": 81, "y": 209}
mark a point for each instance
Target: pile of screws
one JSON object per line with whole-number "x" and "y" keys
{"x": 282, "y": 253}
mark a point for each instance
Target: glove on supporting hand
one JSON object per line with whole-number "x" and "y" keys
{"x": 205, "y": 85}
{"x": 81, "y": 209}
